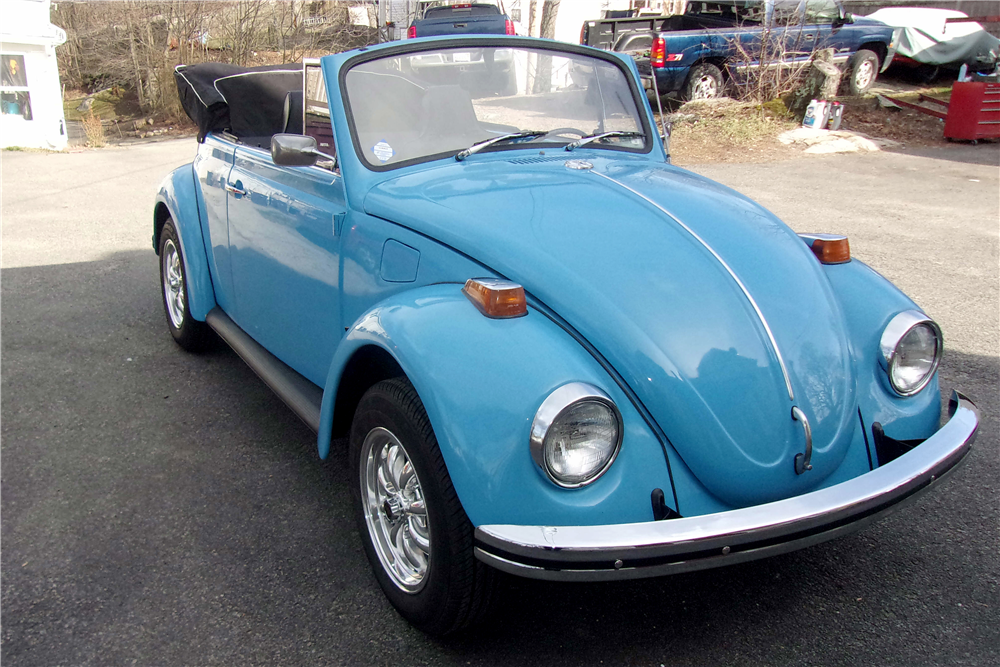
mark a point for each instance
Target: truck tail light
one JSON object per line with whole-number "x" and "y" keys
{"x": 499, "y": 299}
{"x": 509, "y": 27}
{"x": 658, "y": 54}
{"x": 411, "y": 32}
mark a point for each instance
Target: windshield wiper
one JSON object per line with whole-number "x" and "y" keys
{"x": 476, "y": 147}
{"x": 596, "y": 137}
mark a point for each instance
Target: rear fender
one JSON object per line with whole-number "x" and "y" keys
{"x": 481, "y": 381}
{"x": 178, "y": 200}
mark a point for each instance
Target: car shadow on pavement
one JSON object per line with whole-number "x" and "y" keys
{"x": 167, "y": 508}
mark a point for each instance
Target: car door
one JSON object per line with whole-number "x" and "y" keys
{"x": 212, "y": 166}
{"x": 824, "y": 25}
{"x": 786, "y": 33}
{"x": 284, "y": 239}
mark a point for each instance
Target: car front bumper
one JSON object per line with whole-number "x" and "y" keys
{"x": 631, "y": 551}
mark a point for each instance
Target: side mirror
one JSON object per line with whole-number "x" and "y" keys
{"x": 845, "y": 17}
{"x": 294, "y": 150}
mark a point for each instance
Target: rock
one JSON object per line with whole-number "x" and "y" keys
{"x": 802, "y": 135}
{"x": 840, "y": 141}
{"x": 676, "y": 117}
{"x": 86, "y": 105}
{"x": 836, "y": 145}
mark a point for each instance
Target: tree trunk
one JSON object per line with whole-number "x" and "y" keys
{"x": 821, "y": 83}
{"x": 135, "y": 59}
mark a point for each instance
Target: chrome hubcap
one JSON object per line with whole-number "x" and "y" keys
{"x": 173, "y": 283}
{"x": 864, "y": 75}
{"x": 394, "y": 510}
{"x": 705, "y": 89}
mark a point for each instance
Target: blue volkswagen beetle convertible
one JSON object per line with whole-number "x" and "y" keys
{"x": 552, "y": 353}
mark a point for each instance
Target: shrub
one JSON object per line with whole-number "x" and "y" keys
{"x": 94, "y": 129}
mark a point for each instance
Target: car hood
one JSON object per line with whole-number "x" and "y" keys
{"x": 615, "y": 252}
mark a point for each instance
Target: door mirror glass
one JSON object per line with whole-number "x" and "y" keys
{"x": 293, "y": 150}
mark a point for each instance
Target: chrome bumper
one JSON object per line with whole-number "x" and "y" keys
{"x": 631, "y": 551}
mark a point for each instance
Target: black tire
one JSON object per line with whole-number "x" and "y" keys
{"x": 704, "y": 82}
{"x": 862, "y": 72}
{"x": 455, "y": 589}
{"x": 189, "y": 333}
{"x": 926, "y": 73}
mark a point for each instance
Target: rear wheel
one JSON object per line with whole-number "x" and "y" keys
{"x": 415, "y": 533}
{"x": 188, "y": 332}
{"x": 862, "y": 72}
{"x": 703, "y": 83}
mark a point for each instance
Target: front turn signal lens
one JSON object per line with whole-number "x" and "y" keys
{"x": 828, "y": 248}
{"x": 499, "y": 299}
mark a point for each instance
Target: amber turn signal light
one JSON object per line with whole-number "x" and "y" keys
{"x": 829, "y": 248}
{"x": 499, "y": 299}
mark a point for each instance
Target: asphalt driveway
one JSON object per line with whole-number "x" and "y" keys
{"x": 160, "y": 508}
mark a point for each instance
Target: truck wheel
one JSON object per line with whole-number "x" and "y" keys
{"x": 703, "y": 83}
{"x": 862, "y": 72}
{"x": 415, "y": 533}
{"x": 188, "y": 332}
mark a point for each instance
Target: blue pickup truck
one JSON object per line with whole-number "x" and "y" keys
{"x": 696, "y": 54}
{"x": 463, "y": 18}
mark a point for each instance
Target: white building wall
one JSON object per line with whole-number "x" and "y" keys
{"x": 573, "y": 13}
{"x": 25, "y": 31}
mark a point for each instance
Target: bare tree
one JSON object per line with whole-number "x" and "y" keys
{"x": 242, "y": 32}
{"x": 135, "y": 44}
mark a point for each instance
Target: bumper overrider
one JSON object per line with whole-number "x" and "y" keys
{"x": 631, "y": 551}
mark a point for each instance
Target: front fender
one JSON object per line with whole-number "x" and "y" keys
{"x": 868, "y": 302}
{"x": 481, "y": 381}
{"x": 177, "y": 195}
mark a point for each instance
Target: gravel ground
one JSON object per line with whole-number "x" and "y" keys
{"x": 160, "y": 508}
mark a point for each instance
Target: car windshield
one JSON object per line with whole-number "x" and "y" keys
{"x": 427, "y": 104}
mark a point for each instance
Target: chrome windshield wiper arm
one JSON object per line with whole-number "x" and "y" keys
{"x": 475, "y": 148}
{"x": 596, "y": 137}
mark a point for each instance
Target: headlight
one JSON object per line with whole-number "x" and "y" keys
{"x": 576, "y": 434}
{"x": 911, "y": 351}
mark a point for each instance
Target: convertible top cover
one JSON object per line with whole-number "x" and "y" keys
{"x": 247, "y": 101}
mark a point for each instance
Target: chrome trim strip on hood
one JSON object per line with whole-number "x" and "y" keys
{"x": 746, "y": 292}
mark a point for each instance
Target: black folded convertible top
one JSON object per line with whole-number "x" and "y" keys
{"x": 247, "y": 101}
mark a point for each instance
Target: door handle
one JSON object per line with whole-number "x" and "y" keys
{"x": 235, "y": 189}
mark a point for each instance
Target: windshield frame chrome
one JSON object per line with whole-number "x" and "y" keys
{"x": 437, "y": 44}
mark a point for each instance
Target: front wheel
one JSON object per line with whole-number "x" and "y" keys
{"x": 415, "y": 533}
{"x": 188, "y": 332}
{"x": 703, "y": 83}
{"x": 863, "y": 70}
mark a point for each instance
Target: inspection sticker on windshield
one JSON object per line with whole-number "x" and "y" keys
{"x": 383, "y": 151}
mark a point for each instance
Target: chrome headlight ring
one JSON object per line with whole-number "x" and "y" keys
{"x": 558, "y": 406}
{"x": 898, "y": 329}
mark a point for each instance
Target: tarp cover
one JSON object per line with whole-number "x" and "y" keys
{"x": 247, "y": 101}
{"x": 929, "y": 40}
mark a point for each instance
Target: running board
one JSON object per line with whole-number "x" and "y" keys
{"x": 301, "y": 395}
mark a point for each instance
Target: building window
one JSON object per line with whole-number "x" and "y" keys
{"x": 14, "y": 97}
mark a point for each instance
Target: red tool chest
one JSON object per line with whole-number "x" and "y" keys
{"x": 973, "y": 111}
